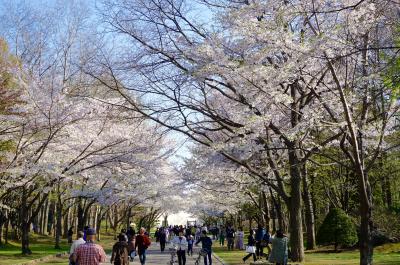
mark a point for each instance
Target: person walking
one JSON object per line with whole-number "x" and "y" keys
{"x": 120, "y": 251}
{"x": 222, "y": 234}
{"x": 70, "y": 234}
{"x": 74, "y": 246}
{"x": 230, "y": 237}
{"x": 190, "y": 242}
{"x": 123, "y": 232}
{"x": 167, "y": 234}
{"x": 89, "y": 253}
{"x": 163, "y": 239}
{"x": 206, "y": 245}
{"x": 131, "y": 247}
{"x": 240, "y": 239}
{"x": 259, "y": 236}
{"x": 266, "y": 241}
{"x": 180, "y": 244}
{"x": 142, "y": 242}
{"x": 198, "y": 233}
{"x": 250, "y": 249}
{"x": 279, "y": 253}
{"x": 157, "y": 235}
{"x": 131, "y": 231}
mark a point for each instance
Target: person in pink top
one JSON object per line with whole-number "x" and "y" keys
{"x": 89, "y": 253}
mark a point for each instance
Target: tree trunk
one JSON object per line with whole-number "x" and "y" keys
{"x": 46, "y": 217}
{"x": 267, "y": 217}
{"x": 25, "y": 239}
{"x": 58, "y": 222}
{"x": 80, "y": 213}
{"x": 24, "y": 224}
{"x": 1, "y": 232}
{"x": 6, "y": 224}
{"x": 98, "y": 223}
{"x": 66, "y": 223}
{"x": 309, "y": 214}
{"x": 278, "y": 209}
{"x": 128, "y": 217}
{"x": 366, "y": 226}
{"x": 250, "y": 221}
{"x": 294, "y": 205}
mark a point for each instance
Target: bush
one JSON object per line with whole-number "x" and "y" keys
{"x": 337, "y": 229}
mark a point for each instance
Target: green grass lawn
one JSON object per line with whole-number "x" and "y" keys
{"x": 42, "y": 246}
{"x": 388, "y": 254}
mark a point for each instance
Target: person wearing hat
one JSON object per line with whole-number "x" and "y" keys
{"x": 131, "y": 231}
{"x": 89, "y": 253}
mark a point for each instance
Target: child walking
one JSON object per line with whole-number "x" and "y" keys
{"x": 190, "y": 241}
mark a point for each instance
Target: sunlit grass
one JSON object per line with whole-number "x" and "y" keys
{"x": 388, "y": 254}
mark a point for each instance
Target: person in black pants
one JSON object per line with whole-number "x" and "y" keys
{"x": 163, "y": 239}
{"x": 206, "y": 244}
{"x": 180, "y": 244}
{"x": 250, "y": 243}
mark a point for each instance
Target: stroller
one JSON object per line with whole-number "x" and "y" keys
{"x": 202, "y": 253}
{"x": 172, "y": 252}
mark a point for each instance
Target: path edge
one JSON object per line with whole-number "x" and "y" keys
{"x": 45, "y": 258}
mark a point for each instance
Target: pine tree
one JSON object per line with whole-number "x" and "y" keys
{"x": 336, "y": 229}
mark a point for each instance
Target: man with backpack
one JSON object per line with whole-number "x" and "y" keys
{"x": 120, "y": 251}
{"x": 142, "y": 243}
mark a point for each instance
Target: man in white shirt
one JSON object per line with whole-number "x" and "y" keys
{"x": 75, "y": 245}
{"x": 180, "y": 244}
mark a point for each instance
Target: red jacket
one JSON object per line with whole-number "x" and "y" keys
{"x": 142, "y": 242}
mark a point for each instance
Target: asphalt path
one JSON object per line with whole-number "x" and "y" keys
{"x": 154, "y": 256}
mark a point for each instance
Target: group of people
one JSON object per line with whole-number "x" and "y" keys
{"x": 235, "y": 239}
{"x": 182, "y": 239}
{"x": 84, "y": 251}
{"x": 260, "y": 239}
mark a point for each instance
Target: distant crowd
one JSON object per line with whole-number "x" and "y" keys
{"x": 181, "y": 240}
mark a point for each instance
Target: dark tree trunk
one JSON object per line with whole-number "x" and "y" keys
{"x": 366, "y": 226}
{"x": 25, "y": 239}
{"x": 294, "y": 205}
{"x": 267, "y": 217}
{"x": 24, "y": 224}
{"x": 309, "y": 214}
{"x": 66, "y": 222}
{"x": 58, "y": 222}
{"x": 1, "y": 233}
{"x": 7, "y": 223}
{"x": 80, "y": 216}
{"x": 278, "y": 210}
{"x": 45, "y": 220}
{"x": 98, "y": 224}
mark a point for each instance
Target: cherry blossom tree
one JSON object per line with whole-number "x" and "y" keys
{"x": 271, "y": 84}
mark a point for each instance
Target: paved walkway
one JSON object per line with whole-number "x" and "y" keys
{"x": 155, "y": 257}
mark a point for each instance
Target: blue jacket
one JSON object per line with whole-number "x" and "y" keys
{"x": 260, "y": 234}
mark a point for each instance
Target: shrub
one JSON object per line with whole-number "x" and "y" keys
{"x": 337, "y": 228}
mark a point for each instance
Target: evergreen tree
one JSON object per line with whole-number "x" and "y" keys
{"x": 337, "y": 228}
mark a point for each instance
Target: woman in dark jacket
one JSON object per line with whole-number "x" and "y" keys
{"x": 250, "y": 243}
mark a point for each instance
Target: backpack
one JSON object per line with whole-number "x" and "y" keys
{"x": 146, "y": 241}
{"x": 119, "y": 252}
{"x": 265, "y": 240}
